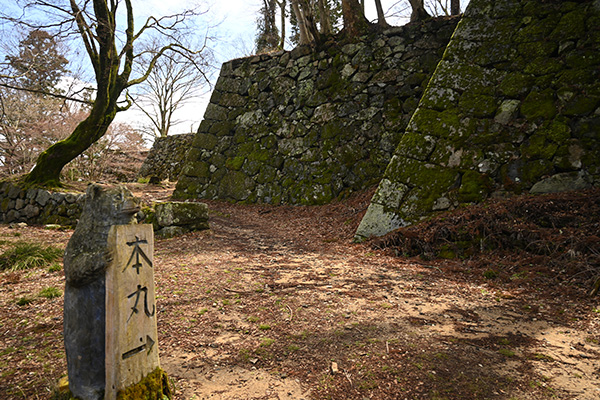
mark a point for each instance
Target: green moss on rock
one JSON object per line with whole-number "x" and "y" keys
{"x": 539, "y": 105}
{"x": 535, "y": 170}
{"x": 199, "y": 169}
{"x": 478, "y": 105}
{"x": 155, "y": 386}
{"x": 435, "y": 123}
{"x": 474, "y": 187}
{"x": 236, "y": 185}
{"x": 557, "y": 131}
{"x": 235, "y": 163}
{"x": 538, "y": 146}
{"x": 515, "y": 84}
{"x": 416, "y": 145}
{"x": 570, "y": 26}
{"x": 542, "y": 66}
{"x": 581, "y": 106}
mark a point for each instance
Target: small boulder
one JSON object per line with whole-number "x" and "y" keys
{"x": 562, "y": 182}
{"x": 192, "y": 216}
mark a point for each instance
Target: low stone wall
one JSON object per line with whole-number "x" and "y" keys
{"x": 166, "y": 157}
{"x": 38, "y": 206}
{"x": 42, "y": 207}
{"x": 307, "y": 126}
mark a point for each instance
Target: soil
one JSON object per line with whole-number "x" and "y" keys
{"x": 279, "y": 303}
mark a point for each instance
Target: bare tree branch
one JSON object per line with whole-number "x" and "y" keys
{"x": 46, "y": 93}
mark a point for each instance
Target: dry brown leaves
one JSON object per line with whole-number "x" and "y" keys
{"x": 278, "y": 303}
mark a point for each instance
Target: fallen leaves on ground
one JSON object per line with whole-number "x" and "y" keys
{"x": 277, "y": 302}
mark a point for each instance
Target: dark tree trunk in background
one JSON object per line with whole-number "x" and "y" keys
{"x": 418, "y": 11}
{"x": 282, "y": 5}
{"x": 454, "y": 7}
{"x": 380, "y": 16}
{"x": 355, "y": 23}
{"x": 305, "y": 36}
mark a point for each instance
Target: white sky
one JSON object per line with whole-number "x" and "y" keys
{"x": 234, "y": 27}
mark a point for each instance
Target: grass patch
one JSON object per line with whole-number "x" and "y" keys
{"x": 50, "y": 293}
{"x": 24, "y": 255}
{"x": 506, "y": 352}
{"x": 542, "y": 357}
{"x": 24, "y": 301}
{"x": 55, "y": 267}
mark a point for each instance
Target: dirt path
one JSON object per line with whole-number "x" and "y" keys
{"x": 277, "y": 303}
{"x": 287, "y": 295}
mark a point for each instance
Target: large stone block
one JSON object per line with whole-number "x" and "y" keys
{"x": 193, "y": 216}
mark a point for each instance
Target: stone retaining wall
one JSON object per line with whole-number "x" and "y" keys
{"x": 166, "y": 157}
{"x": 305, "y": 127}
{"x": 513, "y": 107}
{"x": 38, "y": 206}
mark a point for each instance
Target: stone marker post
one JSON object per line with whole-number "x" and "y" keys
{"x": 109, "y": 309}
{"x": 131, "y": 348}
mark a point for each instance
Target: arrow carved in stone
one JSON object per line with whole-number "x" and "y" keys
{"x": 148, "y": 345}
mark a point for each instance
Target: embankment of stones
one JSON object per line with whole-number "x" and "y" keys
{"x": 305, "y": 127}
{"x": 513, "y": 107}
{"x": 165, "y": 159}
{"x": 41, "y": 207}
{"x": 38, "y": 206}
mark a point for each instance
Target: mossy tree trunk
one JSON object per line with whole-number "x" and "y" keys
{"x": 51, "y": 162}
{"x": 112, "y": 69}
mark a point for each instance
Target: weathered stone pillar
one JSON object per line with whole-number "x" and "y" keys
{"x": 109, "y": 311}
{"x": 131, "y": 348}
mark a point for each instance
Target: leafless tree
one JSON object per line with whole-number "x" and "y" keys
{"x": 112, "y": 53}
{"x": 174, "y": 80}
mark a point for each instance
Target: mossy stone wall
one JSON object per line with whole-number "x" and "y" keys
{"x": 165, "y": 159}
{"x": 38, "y": 206}
{"x": 305, "y": 127}
{"x": 513, "y": 107}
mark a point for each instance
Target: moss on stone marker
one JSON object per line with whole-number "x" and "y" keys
{"x": 155, "y": 386}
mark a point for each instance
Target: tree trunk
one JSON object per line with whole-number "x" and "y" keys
{"x": 418, "y": 11}
{"x": 282, "y": 5}
{"x": 309, "y": 19}
{"x": 454, "y": 7}
{"x": 380, "y": 15}
{"x": 355, "y": 23}
{"x": 324, "y": 18}
{"x": 51, "y": 162}
{"x": 304, "y": 35}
